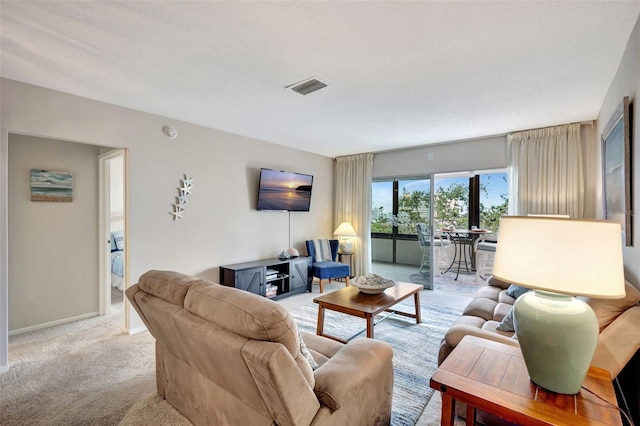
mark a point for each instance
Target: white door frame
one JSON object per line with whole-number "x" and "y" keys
{"x": 104, "y": 209}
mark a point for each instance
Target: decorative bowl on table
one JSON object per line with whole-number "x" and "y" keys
{"x": 372, "y": 283}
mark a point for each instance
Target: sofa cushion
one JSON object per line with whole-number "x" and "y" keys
{"x": 248, "y": 315}
{"x": 480, "y": 307}
{"x": 243, "y": 313}
{"x": 488, "y": 292}
{"x": 493, "y": 327}
{"x": 470, "y": 321}
{"x": 503, "y": 297}
{"x": 169, "y": 286}
{"x": 501, "y": 310}
{"x": 320, "y": 347}
{"x": 608, "y": 310}
{"x": 495, "y": 282}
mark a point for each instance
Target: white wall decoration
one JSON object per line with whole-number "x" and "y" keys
{"x": 185, "y": 190}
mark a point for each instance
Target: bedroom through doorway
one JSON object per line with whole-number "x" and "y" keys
{"x": 112, "y": 210}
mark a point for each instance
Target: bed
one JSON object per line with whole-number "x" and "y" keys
{"x": 117, "y": 260}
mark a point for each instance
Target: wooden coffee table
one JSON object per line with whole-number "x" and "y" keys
{"x": 492, "y": 377}
{"x": 351, "y": 301}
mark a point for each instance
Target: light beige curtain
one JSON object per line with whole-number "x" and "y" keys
{"x": 546, "y": 171}
{"x": 353, "y": 204}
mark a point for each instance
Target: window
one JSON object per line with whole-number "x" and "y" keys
{"x": 451, "y": 202}
{"x": 398, "y": 205}
{"x": 461, "y": 199}
{"x": 494, "y": 199}
{"x": 382, "y": 207}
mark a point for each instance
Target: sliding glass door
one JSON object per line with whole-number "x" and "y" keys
{"x": 398, "y": 206}
{"x": 463, "y": 200}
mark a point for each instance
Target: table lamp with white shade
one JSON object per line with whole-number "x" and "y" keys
{"x": 559, "y": 259}
{"x": 346, "y": 233}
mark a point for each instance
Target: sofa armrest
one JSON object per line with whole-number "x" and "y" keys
{"x": 347, "y": 373}
{"x": 132, "y": 294}
{"x": 618, "y": 342}
{"x": 283, "y": 387}
{"x": 457, "y": 332}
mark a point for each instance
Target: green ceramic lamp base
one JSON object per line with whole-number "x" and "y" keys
{"x": 558, "y": 335}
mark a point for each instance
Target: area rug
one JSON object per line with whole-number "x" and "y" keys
{"x": 415, "y": 348}
{"x": 465, "y": 284}
{"x": 420, "y": 278}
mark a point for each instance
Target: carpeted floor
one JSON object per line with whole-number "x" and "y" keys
{"x": 87, "y": 372}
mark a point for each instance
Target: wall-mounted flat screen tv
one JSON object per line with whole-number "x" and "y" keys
{"x": 284, "y": 191}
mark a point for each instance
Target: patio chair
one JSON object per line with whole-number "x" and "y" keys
{"x": 485, "y": 251}
{"x": 441, "y": 261}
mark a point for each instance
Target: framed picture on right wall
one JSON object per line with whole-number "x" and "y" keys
{"x": 616, "y": 167}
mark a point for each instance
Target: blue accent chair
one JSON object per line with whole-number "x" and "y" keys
{"x": 324, "y": 270}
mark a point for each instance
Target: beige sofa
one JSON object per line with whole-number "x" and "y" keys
{"x": 618, "y": 318}
{"x": 226, "y": 356}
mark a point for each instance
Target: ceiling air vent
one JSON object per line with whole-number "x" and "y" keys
{"x": 307, "y": 86}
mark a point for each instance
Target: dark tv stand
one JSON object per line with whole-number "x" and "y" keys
{"x": 273, "y": 278}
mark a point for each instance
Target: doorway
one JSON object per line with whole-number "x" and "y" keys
{"x": 113, "y": 256}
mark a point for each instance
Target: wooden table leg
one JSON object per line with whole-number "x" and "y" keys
{"x": 416, "y": 299}
{"x": 320, "y": 327}
{"x": 370, "y": 326}
{"x": 448, "y": 411}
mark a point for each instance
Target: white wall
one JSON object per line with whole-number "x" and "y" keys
{"x": 53, "y": 247}
{"x": 627, "y": 83}
{"x": 220, "y": 223}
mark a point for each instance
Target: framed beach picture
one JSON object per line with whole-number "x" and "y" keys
{"x": 616, "y": 169}
{"x": 50, "y": 185}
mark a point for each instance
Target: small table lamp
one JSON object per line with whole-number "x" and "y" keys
{"x": 346, "y": 233}
{"x": 559, "y": 259}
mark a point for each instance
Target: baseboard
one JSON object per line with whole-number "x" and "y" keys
{"x": 53, "y": 323}
{"x": 137, "y": 330}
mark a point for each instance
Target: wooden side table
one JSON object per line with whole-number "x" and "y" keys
{"x": 492, "y": 377}
{"x": 348, "y": 259}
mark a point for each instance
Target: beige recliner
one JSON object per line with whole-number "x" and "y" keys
{"x": 226, "y": 356}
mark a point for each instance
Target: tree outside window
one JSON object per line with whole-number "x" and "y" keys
{"x": 494, "y": 200}
{"x": 451, "y": 203}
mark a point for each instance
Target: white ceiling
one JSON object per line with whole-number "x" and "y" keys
{"x": 400, "y": 74}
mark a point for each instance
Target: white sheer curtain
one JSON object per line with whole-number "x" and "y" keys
{"x": 353, "y": 204}
{"x": 546, "y": 171}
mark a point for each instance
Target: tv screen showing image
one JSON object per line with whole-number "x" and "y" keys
{"x": 284, "y": 191}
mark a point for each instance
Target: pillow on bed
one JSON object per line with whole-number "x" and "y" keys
{"x": 117, "y": 241}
